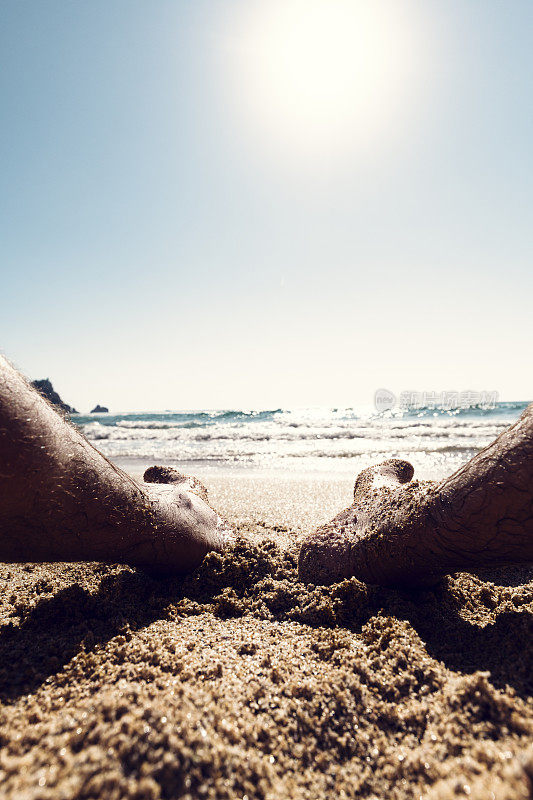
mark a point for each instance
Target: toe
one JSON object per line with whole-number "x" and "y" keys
{"x": 171, "y": 475}
{"x": 390, "y": 474}
{"x": 163, "y": 475}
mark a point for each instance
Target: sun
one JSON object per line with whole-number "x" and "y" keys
{"x": 322, "y": 77}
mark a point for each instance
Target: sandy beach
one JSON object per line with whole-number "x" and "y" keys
{"x": 240, "y": 682}
{"x": 274, "y": 246}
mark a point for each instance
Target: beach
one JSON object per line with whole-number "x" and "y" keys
{"x": 275, "y": 256}
{"x": 240, "y": 682}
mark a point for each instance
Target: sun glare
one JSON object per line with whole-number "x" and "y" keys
{"x": 323, "y": 77}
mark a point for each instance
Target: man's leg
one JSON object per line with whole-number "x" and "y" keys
{"x": 61, "y": 500}
{"x": 402, "y": 532}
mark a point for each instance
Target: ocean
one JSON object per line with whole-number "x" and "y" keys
{"x": 332, "y": 441}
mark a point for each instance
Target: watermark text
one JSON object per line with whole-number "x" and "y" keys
{"x": 385, "y": 400}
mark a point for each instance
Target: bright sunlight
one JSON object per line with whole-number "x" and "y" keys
{"x": 323, "y": 77}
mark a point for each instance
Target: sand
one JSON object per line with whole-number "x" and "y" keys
{"x": 241, "y": 682}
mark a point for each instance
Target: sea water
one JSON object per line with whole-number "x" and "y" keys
{"x": 333, "y": 441}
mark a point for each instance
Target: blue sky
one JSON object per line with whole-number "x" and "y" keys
{"x": 175, "y": 234}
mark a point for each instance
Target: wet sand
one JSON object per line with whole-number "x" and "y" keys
{"x": 241, "y": 682}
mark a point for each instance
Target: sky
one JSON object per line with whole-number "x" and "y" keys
{"x": 266, "y": 203}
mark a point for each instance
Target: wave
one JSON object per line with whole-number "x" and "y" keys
{"x": 276, "y": 437}
{"x": 96, "y": 431}
{"x": 472, "y": 410}
{"x": 308, "y": 418}
{"x": 176, "y": 418}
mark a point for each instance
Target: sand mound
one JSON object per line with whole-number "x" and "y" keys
{"x": 241, "y": 682}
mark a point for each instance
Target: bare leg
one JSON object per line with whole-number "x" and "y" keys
{"x": 61, "y": 500}
{"x": 403, "y": 532}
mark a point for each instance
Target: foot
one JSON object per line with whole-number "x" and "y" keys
{"x": 384, "y": 537}
{"x": 187, "y": 526}
{"x": 400, "y": 531}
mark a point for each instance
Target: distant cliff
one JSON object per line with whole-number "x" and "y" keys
{"x": 98, "y": 409}
{"x": 45, "y": 388}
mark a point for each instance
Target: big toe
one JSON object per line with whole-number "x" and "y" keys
{"x": 171, "y": 475}
{"x": 389, "y": 474}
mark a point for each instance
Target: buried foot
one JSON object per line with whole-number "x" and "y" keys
{"x": 404, "y": 532}
{"x": 62, "y": 500}
{"x": 383, "y": 537}
{"x": 188, "y": 527}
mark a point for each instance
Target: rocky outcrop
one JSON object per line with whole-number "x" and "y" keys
{"x": 45, "y": 388}
{"x": 100, "y": 410}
